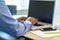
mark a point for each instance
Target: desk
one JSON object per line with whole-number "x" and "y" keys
{"x": 35, "y": 37}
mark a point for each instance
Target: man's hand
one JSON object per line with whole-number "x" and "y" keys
{"x": 33, "y": 20}
{"x": 21, "y": 18}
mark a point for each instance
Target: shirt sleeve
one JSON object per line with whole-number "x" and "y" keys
{"x": 7, "y": 19}
{"x": 24, "y": 26}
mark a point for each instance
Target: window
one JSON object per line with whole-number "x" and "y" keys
{"x": 21, "y": 6}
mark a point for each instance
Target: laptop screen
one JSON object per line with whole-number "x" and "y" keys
{"x": 42, "y": 10}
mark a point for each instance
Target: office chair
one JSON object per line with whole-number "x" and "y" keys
{"x": 5, "y": 36}
{"x": 12, "y": 9}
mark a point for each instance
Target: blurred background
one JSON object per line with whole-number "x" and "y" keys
{"x": 18, "y": 7}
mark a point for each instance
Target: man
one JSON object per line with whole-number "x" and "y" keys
{"x": 12, "y": 26}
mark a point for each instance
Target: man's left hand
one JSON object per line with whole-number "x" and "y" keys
{"x": 21, "y": 18}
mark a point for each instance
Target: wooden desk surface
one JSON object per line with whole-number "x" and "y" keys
{"x": 35, "y": 37}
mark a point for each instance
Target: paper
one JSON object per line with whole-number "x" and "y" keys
{"x": 41, "y": 34}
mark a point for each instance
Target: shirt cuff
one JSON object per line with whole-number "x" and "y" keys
{"x": 28, "y": 26}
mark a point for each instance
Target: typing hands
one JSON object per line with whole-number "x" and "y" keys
{"x": 31, "y": 19}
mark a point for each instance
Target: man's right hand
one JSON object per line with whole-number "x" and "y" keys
{"x": 33, "y": 20}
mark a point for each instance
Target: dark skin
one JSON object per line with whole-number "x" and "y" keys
{"x": 32, "y": 19}
{"x": 21, "y": 18}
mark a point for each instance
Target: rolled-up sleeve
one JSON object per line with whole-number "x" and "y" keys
{"x": 7, "y": 19}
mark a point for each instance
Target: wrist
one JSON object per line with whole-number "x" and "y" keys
{"x": 28, "y": 19}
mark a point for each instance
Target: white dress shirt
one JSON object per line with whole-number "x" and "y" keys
{"x": 10, "y": 25}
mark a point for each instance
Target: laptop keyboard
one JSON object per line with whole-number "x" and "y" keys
{"x": 42, "y": 27}
{"x": 38, "y": 24}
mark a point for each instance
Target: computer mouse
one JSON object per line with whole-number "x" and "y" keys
{"x": 47, "y": 29}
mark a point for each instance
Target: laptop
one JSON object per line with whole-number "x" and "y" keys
{"x": 43, "y": 10}
{"x": 55, "y": 22}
